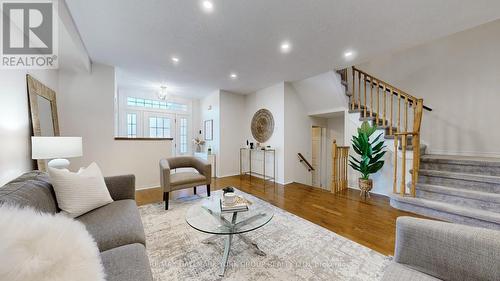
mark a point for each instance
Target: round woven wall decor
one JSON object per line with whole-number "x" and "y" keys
{"x": 262, "y": 125}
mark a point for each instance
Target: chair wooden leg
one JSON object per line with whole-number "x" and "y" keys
{"x": 165, "y": 198}
{"x": 194, "y": 189}
{"x": 208, "y": 190}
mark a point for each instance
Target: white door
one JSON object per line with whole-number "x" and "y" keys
{"x": 324, "y": 159}
{"x": 316, "y": 156}
{"x": 176, "y": 126}
{"x": 182, "y": 142}
{"x": 159, "y": 125}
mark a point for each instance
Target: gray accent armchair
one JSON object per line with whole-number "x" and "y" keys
{"x": 182, "y": 180}
{"x": 434, "y": 250}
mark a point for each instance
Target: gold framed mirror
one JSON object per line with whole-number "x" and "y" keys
{"x": 43, "y": 112}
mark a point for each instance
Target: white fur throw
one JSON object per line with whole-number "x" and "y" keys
{"x": 37, "y": 246}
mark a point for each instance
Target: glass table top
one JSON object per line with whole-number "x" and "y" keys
{"x": 206, "y": 216}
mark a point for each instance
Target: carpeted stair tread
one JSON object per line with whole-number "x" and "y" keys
{"x": 366, "y": 118}
{"x": 460, "y": 192}
{"x": 461, "y": 176}
{"x": 473, "y": 213}
{"x": 409, "y": 147}
{"x": 464, "y": 160}
{"x": 389, "y": 137}
{"x": 356, "y": 109}
{"x": 462, "y": 164}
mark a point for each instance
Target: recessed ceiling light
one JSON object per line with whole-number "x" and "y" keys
{"x": 285, "y": 47}
{"x": 207, "y": 6}
{"x": 348, "y": 54}
{"x": 233, "y": 75}
{"x": 175, "y": 60}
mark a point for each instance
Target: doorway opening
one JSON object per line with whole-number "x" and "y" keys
{"x": 326, "y": 128}
{"x": 318, "y": 155}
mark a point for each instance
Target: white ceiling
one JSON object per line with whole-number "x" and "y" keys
{"x": 243, "y": 36}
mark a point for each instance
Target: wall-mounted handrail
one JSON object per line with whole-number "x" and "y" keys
{"x": 302, "y": 159}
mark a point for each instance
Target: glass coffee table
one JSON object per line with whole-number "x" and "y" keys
{"x": 206, "y": 217}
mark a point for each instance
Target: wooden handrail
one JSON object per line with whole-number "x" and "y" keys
{"x": 303, "y": 159}
{"x": 396, "y": 93}
{"x": 388, "y": 87}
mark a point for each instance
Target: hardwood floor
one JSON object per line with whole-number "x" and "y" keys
{"x": 371, "y": 222}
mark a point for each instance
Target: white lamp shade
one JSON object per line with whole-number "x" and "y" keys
{"x": 55, "y": 147}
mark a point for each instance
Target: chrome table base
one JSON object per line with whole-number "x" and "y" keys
{"x": 229, "y": 241}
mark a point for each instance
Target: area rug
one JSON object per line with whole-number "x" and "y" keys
{"x": 296, "y": 249}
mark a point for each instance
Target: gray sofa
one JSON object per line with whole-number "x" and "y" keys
{"x": 434, "y": 250}
{"x": 116, "y": 227}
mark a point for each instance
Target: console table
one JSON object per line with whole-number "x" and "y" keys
{"x": 263, "y": 152}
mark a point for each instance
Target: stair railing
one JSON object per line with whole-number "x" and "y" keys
{"x": 389, "y": 108}
{"x": 340, "y": 157}
{"x": 302, "y": 159}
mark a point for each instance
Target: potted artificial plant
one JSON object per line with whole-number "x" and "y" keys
{"x": 370, "y": 156}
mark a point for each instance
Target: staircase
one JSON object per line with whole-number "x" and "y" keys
{"x": 458, "y": 189}
{"x": 381, "y": 104}
{"x": 398, "y": 113}
{"x": 380, "y": 126}
{"x": 452, "y": 188}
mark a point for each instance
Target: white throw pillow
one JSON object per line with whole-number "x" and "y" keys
{"x": 81, "y": 192}
{"x": 44, "y": 247}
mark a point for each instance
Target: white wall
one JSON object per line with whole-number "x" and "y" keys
{"x": 298, "y": 131}
{"x": 144, "y": 113}
{"x": 196, "y": 115}
{"x": 209, "y": 109}
{"x": 73, "y": 55}
{"x": 271, "y": 98}
{"x": 292, "y": 131}
{"x": 86, "y": 102}
{"x": 322, "y": 93}
{"x": 227, "y": 110}
{"x": 298, "y": 138}
{"x": 291, "y": 105}
{"x": 232, "y": 115}
{"x": 15, "y": 127}
{"x": 458, "y": 77}
{"x": 335, "y": 131}
{"x": 232, "y": 134}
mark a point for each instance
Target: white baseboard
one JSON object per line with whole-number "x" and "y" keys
{"x": 146, "y": 187}
{"x": 228, "y": 175}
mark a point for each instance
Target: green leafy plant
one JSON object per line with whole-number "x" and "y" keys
{"x": 370, "y": 152}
